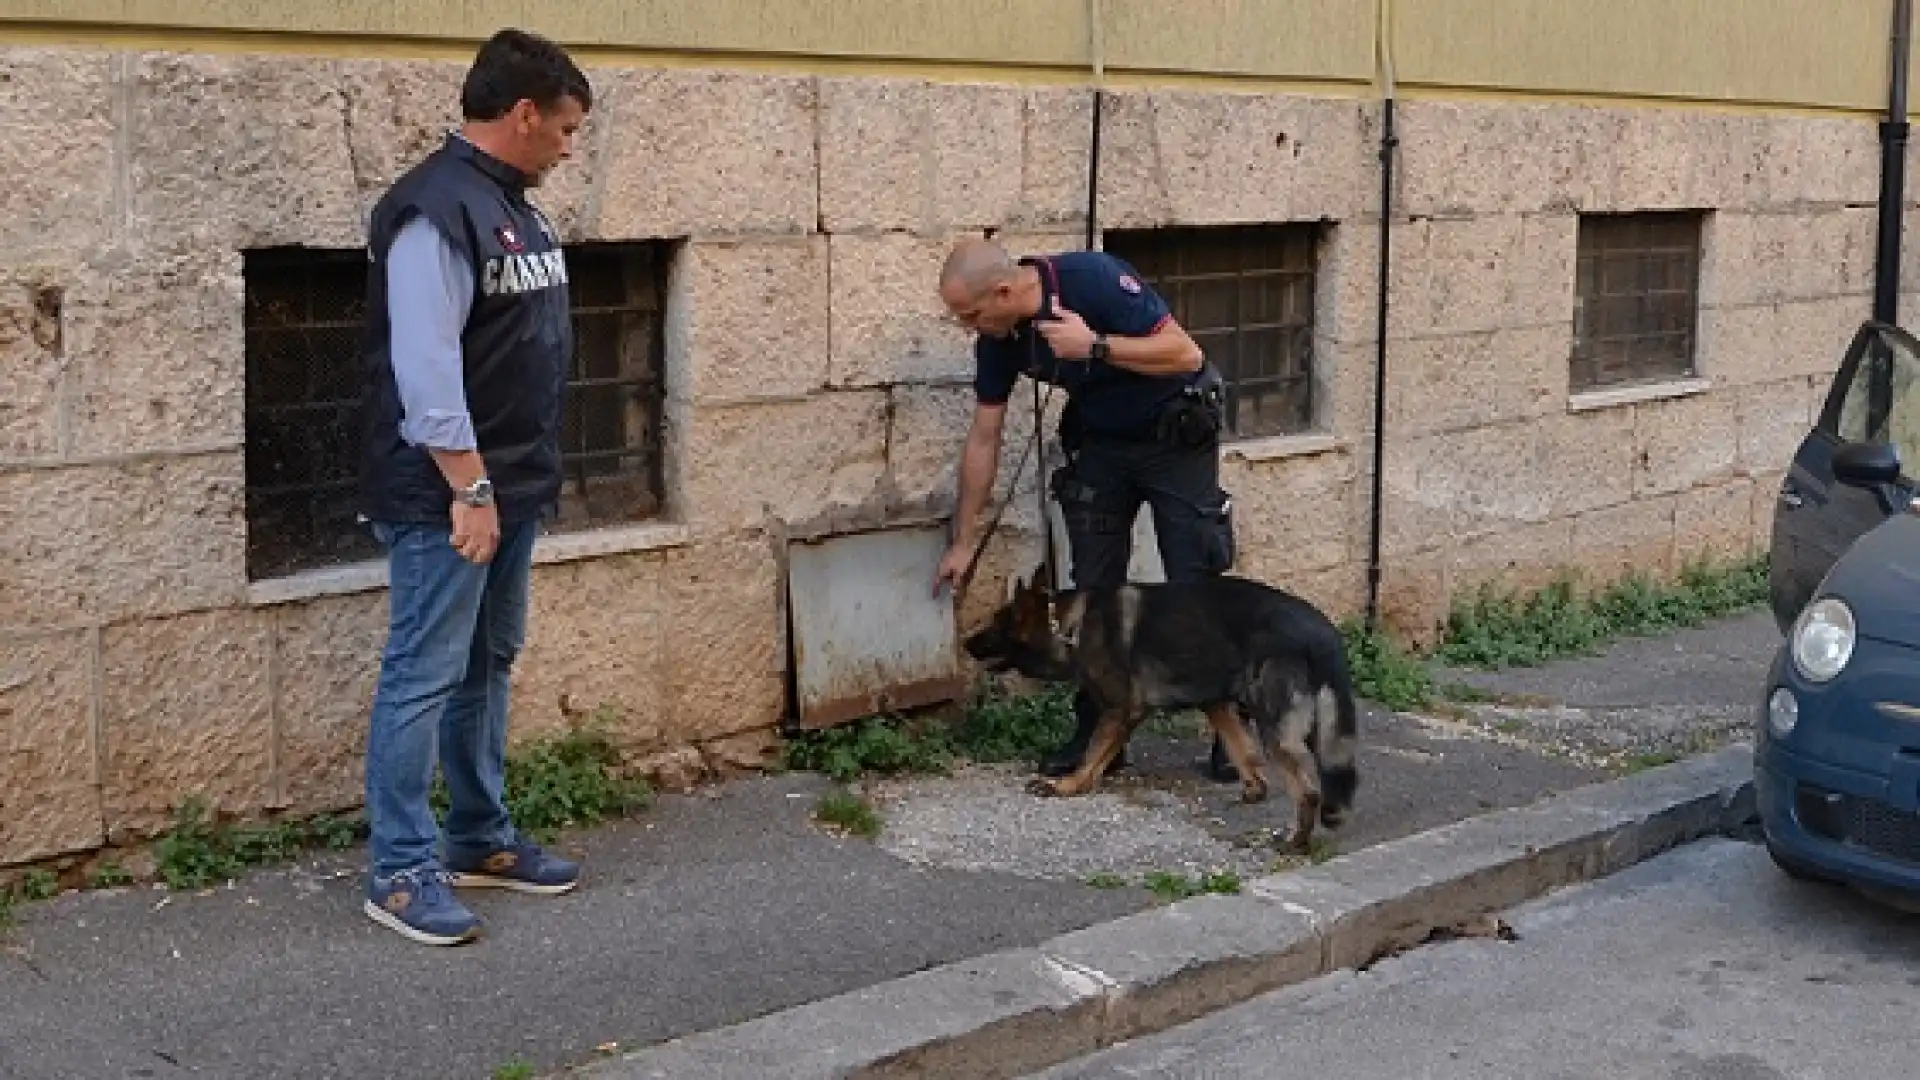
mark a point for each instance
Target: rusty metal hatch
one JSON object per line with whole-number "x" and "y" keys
{"x": 868, "y": 635}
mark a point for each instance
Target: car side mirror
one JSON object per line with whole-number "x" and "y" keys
{"x": 1867, "y": 464}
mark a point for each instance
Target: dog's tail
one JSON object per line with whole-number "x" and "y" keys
{"x": 1336, "y": 735}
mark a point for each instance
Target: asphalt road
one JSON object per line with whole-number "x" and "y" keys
{"x": 1702, "y": 964}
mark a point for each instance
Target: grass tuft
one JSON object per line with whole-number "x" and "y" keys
{"x": 842, "y": 809}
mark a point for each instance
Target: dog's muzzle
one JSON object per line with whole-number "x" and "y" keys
{"x": 986, "y": 652}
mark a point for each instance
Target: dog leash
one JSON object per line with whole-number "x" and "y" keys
{"x": 1013, "y": 483}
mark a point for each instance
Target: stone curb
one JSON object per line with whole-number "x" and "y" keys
{"x": 1020, "y": 1011}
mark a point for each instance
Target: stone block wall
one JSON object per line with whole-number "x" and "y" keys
{"x": 812, "y": 380}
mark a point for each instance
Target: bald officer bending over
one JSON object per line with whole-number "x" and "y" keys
{"x": 1142, "y": 421}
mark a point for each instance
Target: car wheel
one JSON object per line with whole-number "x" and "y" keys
{"x": 1796, "y": 869}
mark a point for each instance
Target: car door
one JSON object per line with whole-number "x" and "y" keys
{"x": 1874, "y": 398}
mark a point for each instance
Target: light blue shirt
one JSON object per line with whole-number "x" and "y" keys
{"x": 429, "y": 291}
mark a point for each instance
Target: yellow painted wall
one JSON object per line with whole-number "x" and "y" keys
{"x": 1795, "y": 53}
{"x": 1829, "y": 53}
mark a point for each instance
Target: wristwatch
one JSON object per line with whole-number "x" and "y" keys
{"x": 1099, "y": 351}
{"x": 478, "y": 493}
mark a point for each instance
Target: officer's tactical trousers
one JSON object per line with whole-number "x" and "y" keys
{"x": 1101, "y": 494}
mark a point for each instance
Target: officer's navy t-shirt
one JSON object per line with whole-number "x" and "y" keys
{"x": 1108, "y": 294}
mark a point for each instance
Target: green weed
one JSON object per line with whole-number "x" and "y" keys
{"x": 563, "y": 781}
{"x": 566, "y": 780}
{"x": 39, "y": 885}
{"x": 844, "y": 810}
{"x": 1499, "y": 628}
{"x": 1651, "y": 759}
{"x": 876, "y": 744}
{"x": 570, "y": 780}
{"x": 515, "y": 1068}
{"x": 197, "y": 853}
{"x": 200, "y": 852}
{"x": 111, "y": 876}
{"x": 1384, "y": 672}
{"x": 1174, "y": 886}
{"x": 1003, "y": 727}
{"x": 996, "y": 727}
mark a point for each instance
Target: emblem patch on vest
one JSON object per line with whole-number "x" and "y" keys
{"x": 1129, "y": 283}
{"x": 509, "y": 239}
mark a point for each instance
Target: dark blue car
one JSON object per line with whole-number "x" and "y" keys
{"x": 1837, "y": 757}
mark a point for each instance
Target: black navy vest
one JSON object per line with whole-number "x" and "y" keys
{"x": 517, "y": 343}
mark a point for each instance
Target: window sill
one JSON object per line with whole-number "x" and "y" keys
{"x": 371, "y": 576}
{"x": 1590, "y": 400}
{"x": 598, "y": 543}
{"x": 1279, "y": 447}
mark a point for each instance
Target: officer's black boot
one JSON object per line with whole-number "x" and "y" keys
{"x": 1218, "y": 766}
{"x": 1067, "y": 758}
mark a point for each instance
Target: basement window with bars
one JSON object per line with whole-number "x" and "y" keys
{"x": 305, "y": 312}
{"x": 1246, "y": 295}
{"x": 1636, "y": 304}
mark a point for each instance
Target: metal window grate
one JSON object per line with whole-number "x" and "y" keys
{"x": 305, "y": 310}
{"x": 1637, "y": 280}
{"x": 610, "y": 440}
{"x": 1246, "y": 295}
{"x": 304, "y": 314}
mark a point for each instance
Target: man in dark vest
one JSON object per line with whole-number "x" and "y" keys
{"x": 468, "y": 344}
{"x": 1142, "y": 422}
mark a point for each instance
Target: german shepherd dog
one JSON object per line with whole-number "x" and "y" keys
{"x": 1227, "y": 645}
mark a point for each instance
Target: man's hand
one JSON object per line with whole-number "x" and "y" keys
{"x": 953, "y": 566}
{"x": 476, "y": 532}
{"x": 1067, "y": 334}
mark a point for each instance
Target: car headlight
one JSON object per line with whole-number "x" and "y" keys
{"x": 1823, "y": 639}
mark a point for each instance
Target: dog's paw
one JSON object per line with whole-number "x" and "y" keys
{"x": 1332, "y": 817}
{"x": 1253, "y": 791}
{"x": 1044, "y": 788}
{"x": 1294, "y": 841}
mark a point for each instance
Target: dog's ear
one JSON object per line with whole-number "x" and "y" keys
{"x": 1024, "y": 592}
{"x": 1029, "y": 607}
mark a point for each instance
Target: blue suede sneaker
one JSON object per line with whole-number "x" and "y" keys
{"x": 419, "y": 905}
{"x": 522, "y": 867}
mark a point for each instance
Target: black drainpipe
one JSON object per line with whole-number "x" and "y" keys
{"x": 1097, "y": 56}
{"x": 1093, "y": 171}
{"x": 1388, "y": 140}
{"x": 1893, "y": 171}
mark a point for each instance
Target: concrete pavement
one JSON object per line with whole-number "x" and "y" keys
{"x": 1705, "y": 963}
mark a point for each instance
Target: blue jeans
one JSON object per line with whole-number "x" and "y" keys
{"x": 453, "y": 631}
